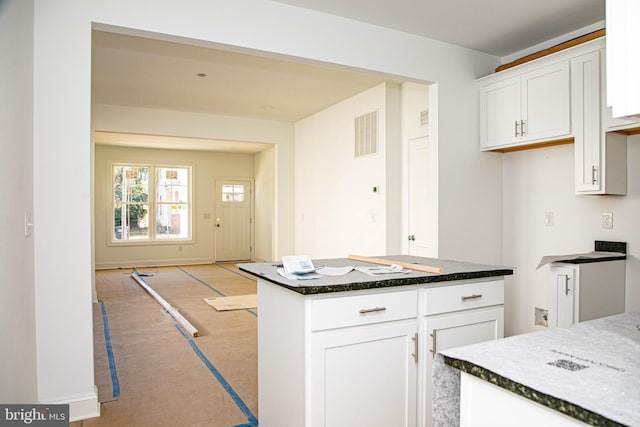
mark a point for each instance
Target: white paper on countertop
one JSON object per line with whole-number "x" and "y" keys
{"x": 591, "y": 255}
{"x": 302, "y": 276}
{"x": 334, "y": 271}
{"x": 377, "y": 271}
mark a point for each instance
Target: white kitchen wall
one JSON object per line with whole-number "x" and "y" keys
{"x": 62, "y": 135}
{"x": 337, "y": 212}
{"x": 207, "y": 166}
{"x": 264, "y": 195}
{"x": 542, "y": 180}
{"x": 393, "y": 169}
{"x": 17, "y": 300}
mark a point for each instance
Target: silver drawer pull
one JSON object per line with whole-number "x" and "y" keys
{"x": 434, "y": 342}
{"x": 372, "y": 310}
{"x": 474, "y": 296}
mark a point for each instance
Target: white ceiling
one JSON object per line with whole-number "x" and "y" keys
{"x": 497, "y": 27}
{"x": 142, "y": 72}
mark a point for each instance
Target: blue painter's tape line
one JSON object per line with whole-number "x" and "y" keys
{"x": 112, "y": 362}
{"x": 214, "y": 289}
{"x": 235, "y": 272}
{"x": 253, "y": 421}
{"x": 201, "y": 282}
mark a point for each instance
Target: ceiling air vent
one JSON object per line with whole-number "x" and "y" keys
{"x": 424, "y": 117}
{"x": 366, "y": 134}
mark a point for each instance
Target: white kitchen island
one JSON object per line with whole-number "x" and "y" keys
{"x": 588, "y": 373}
{"x": 357, "y": 350}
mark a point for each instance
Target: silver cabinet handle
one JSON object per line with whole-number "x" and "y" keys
{"x": 415, "y": 347}
{"x": 516, "y": 122}
{"x": 594, "y": 175}
{"x": 566, "y": 284}
{"x": 523, "y": 130}
{"x": 372, "y": 310}
{"x": 433, "y": 342}
{"x": 468, "y": 297}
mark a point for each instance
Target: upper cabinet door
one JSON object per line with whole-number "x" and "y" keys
{"x": 546, "y": 103}
{"x": 500, "y": 113}
{"x": 585, "y": 81}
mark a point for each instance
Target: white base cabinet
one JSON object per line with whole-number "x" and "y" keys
{"x": 581, "y": 292}
{"x": 363, "y": 358}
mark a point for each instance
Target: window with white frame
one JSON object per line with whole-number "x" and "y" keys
{"x": 151, "y": 203}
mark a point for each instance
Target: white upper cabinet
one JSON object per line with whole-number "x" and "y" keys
{"x": 616, "y": 124}
{"x": 623, "y": 61}
{"x": 526, "y": 108}
{"x": 560, "y": 98}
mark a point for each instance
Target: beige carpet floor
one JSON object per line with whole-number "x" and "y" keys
{"x": 165, "y": 377}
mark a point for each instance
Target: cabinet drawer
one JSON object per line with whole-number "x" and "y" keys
{"x": 462, "y": 297}
{"x": 363, "y": 309}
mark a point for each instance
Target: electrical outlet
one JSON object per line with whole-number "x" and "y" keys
{"x": 28, "y": 223}
{"x": 607, "y": 220}
{"x": 542, "y": 317}
{"x": 549, "y": 219}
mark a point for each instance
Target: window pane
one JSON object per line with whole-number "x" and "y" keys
{"x": 172, "y": 203}
{"x": 130, "y": 202}
{"x": 232, "y": 193}
{"x": 172, "y": 221}
{"x": 130, "y": 184}
{"x": 172, "y": 185}
{"x": 131, "y": 221}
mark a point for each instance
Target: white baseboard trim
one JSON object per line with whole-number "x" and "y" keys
{"x": 152, "y": 263}
{"x": 81, "y": 406}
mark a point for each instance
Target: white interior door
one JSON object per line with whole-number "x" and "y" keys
{"x": 418, "y": 223}
{"x": 233, "y": 220}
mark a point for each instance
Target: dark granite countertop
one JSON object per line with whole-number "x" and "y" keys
{"x": 603, "y": 251}
{"x": 355, "y": 280}
{"x": 589, "y": 371}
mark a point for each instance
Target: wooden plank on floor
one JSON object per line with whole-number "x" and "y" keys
{"x": 188, "y": 327}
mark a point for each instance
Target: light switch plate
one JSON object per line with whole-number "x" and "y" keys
{"x": 607, "y": 220}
